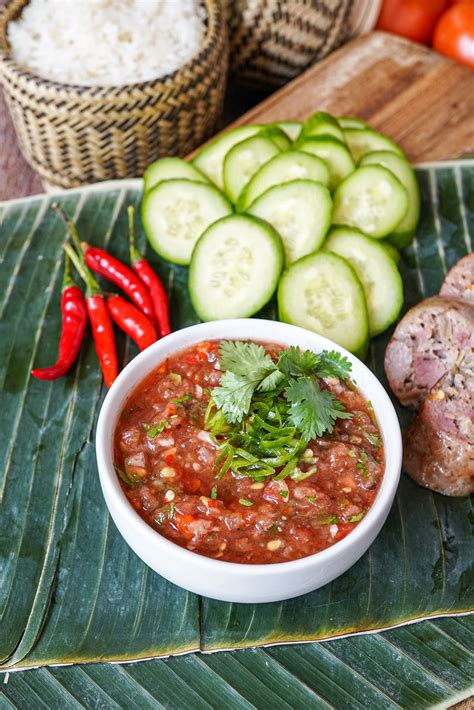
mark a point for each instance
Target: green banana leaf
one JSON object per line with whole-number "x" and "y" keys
{"x": 418, "y": 666}
{"x": 71, "y": 591}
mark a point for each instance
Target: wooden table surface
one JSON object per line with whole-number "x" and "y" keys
{"x": 16, "y": 177}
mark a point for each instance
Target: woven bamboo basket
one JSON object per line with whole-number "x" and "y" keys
{"x": 73, "y": 135}
{"x": 272, "y": 41}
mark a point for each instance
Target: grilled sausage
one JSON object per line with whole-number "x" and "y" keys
{"x": 459, "y": 281}
{"x": 439, "y": 444}
{"x": 426, "y": 344}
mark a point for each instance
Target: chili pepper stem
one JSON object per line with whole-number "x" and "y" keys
{"x": 134, "y": 253}
{"x": 68, "y": 281}
{"x": 92, "y": 286}
{"x": 71, "y": 227}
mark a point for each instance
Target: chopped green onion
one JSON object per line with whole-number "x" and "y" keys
{"x": 129, "y": 481}
{"x": 181, "y": 400}
{"x": 312, "y": 499}
{"x": 223, "y": 461}
{"x": 356, "y": 518}
{"x": 373, "y": 439}
{"x": 214, "y": 420}
{"x": 328, "y": 520}
{"x": 246, "y": 455}
{"x": 361, "y": 465}
{"x": 302, "y": 476}
{"x": 352, "y": 454}
{"x": 284, "y": 494}
{"x": 244, "y": 501}
{"x": 288, "y": 470}
{"x": 175, "y": 378}
{"x": 154, "y": 430}
{"x": 171, "y": 511}
{"x": 213, "y": 493}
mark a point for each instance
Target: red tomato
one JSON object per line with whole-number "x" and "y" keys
{"x": 414, "y": 19}
{"x": 454, "y": 33}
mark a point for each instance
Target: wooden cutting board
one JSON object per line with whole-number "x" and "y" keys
{"x": 419, "y": 98}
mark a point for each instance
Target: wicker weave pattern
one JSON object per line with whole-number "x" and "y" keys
{"x": 273, "y": 41}
{"x": 76, "y": 135}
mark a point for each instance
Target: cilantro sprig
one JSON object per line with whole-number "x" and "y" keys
{"x": 265, "y": 412}
{"x": 313, "y": 411}
{"x": 248, "y": 369}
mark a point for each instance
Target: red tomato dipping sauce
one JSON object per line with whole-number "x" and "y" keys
{"x": 248, "y": 452}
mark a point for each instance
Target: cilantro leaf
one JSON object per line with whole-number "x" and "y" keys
{"x": 332, "y": 364}
{"x": 247, "y": 368}
{"x": 295, "y": 361}
{"x": 246, "y": 359}
{"x": 313, "y": 411}
{"x": 234, "y": 396}
{"x": 271, "y": 381}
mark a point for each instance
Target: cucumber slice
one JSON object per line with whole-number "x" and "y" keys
{"x": 285, "y": 167}
{"x": 351, "y": 122}
{"x": 401, "y": 168}
{"x": 210, "y": 159}
{"x": 322, "y": 124}
{"x": 291, "y": 128}
{"x": 391, "y": 250}
{"x": 243, "y": 160}
{"x": 322, "y": 292}
{"x": 300, "y": 211}
{"x": 176, "y": 212}
{"x": 277, "y": 135}
{"x": 334, "y": 153}
{"x": 365, "y": 141}
{"x": 235, "y": 268}
{"x": 170, "y": 169}
{"x": 377, "y": 272}
{"x": 371, "y": 199}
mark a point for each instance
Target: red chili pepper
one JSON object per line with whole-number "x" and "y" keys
{"x": 102, "y": 328}
{"x": 182, "y": 522}
{"x": 74, "y": 319}
{"x": 103, "y": 332}
{"x": 119, "y": 274}
{"x": 151, "y": 281}
{"x": 344, "y": 529}
{"x": 132, "y": 321}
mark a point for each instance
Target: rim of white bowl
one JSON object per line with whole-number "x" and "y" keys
{"x": 119, "y": 393}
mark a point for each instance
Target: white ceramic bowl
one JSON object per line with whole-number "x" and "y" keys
{"x": 230, "y": 581}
